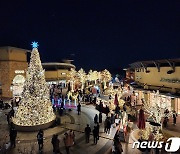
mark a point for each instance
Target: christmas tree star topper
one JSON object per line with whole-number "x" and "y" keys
{"x": 35, "y": 44}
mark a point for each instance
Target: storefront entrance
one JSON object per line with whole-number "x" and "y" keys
{"x": 18, "y": 83}
{"x": 60, "y": 83}
{"x": 177, "y": 105}
{"x": 162, "y": 100}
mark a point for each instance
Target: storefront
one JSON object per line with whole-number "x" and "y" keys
{"x": 61, "y": 83}
{"x": 136, "y": 97}
{"x": 152, "y": 97}
{"x": 139, "y": 96}
{"x": 17, "y": 86}
{"x": 162, "y": 100}
{"x": 177, "y": 105}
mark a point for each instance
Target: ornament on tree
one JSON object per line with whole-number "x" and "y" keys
{"x": 35, "y": 107}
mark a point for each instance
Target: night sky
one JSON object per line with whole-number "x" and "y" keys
{"x": 96, "y": 34}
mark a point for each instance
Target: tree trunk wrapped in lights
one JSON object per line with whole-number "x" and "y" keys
{"x": 93, "y": 76}
{"x": 82, "y": 77}
{"x": 106, "y": 77}
{"x": 72, "y": 75}
{"x": 35, "y": 106}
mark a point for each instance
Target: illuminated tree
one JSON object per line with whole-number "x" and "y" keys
{"x": 82, "y": 77}
{"x": 35, "y": 106}
{"x": 89, "y": 78}
{"x": 72, "y": 75}
{"x": 156, "y": 111}
{"x": 106, "y": 77}
{"x": 99, "y": 76}
{"x": 93, "y": 76}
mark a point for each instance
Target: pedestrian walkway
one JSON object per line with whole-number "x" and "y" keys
{"x": 173, "y": 130}
{"x": 26, "y": 141}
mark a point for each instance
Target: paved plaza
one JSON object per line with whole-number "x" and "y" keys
{"x": 27, "y": 142}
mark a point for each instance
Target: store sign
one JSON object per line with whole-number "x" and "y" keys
{"x": 19, "y": 71}
{"x": 169, "y": 147}
{"x": 170, "y": 80}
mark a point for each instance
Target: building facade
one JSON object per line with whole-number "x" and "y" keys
{"x": 161, "y": 75}
{"x": 13, "y": 65}
{"x": 57, "y": 73}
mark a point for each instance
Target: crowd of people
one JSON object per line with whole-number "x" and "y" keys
{"x": 4, "y": 105}
{"x": 69, "y": 137}
{"x": 166, "y": 118}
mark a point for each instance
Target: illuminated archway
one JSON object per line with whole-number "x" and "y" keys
{"x": 18, "y": 83}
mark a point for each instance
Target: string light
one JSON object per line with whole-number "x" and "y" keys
{"x": 35, "y": 107}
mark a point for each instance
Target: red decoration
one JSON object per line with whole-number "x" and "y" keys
{"x": 141, "y": 121}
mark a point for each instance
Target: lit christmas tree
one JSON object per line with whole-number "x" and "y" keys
{"x": 35, "y": 107}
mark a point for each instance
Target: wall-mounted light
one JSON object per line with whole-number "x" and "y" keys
{"x": 147, "y": 71}
{"x": 11, "y": 87}
{"x": 170, "y": 71}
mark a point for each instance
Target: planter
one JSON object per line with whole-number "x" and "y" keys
{"x": 33, "y": 128}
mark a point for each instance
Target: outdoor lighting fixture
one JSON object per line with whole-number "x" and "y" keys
{"x": 170, "y": 71}
{"x": 11, "y": 87}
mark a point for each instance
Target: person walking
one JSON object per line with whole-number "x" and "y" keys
{"x": 127, "y": 134}
{"x": 87, "y": 133}
{"x": 13, "y": 135}
{"x": 100, "y": 106}
{"x": 40, "y": 136}
{"x": 174, "y": 117}
{"x": 96, "y": 119}
{"x": 105, "y": 125}
{"x": 1, "y": 104}
{"x": 97, "y": 127}
{"x": 95, "y": 135}
{"x": 117, "y": 110}
{"x": 79, "y": 108}
{"x": 8, "y": 118}
{"x": 67, "y": 142}
{"x": 107, "y": 110}
{"x": 112, "y": 118}
{"x": 100, "y": 117}
{"x": 108, "y": 126}
{"x": 165, "y": 122}
{"x": 55, "y": 142}
{"x": 119, "y": 148}
{"x": 72, "y": 137}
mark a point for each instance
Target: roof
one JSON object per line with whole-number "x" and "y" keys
{"x": 156, "y": 63}
{"x": 56, "y": 66}
{"x": 15, "y": 48}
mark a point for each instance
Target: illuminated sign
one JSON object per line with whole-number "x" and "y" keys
{"x": 170, "y": 80}
{"x": 19, "y": 71}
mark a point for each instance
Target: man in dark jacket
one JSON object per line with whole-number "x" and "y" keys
{"x": 79, "y": 108}
{"x": 95, "y": 135}
{"x": 100, "y": 117}
{"x": 55, "y": 143}
{"x": 13, "y": 135}
{"x": 40, "y": 136}
{"x": 87, "y": 133}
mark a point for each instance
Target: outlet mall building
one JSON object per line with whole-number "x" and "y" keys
{"x": 13, "y": 65}
{"x": 152, "y": 76}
